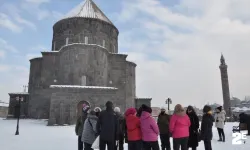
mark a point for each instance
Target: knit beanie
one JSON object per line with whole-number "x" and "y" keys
{"x": 117, "y": 109}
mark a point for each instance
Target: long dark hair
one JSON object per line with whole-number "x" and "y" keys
{"x": 190, "y": 108}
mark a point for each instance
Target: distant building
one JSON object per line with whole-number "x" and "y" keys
{"x": 3, "y": 109}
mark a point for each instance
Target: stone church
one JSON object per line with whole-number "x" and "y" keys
{"x": 83, "y": 66}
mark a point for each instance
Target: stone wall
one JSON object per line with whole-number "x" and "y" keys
{"x": 3, "y": 111}
{"x": 64, "y": 101}
{"x": 35, "y": 73}
{"x": 13, "y": 103}
{"x": 140, "y": 101}
{"x": 76, "y": 29}
{"x": 130, "y": 84}
{"x": 83, "y": 60}
{"x": 225, "y": 89}
{"x": 40, "y": 103}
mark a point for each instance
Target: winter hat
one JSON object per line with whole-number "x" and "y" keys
{"x": 117, "y": 109}
{"x": 219, "y": 108}
{"x": 206, "y": 109}
{"x": 163, "y": 109}
{"x": 130, "y": 111}
{"x": 146, "y": 108}
{"x": 97, "y": 109}
{"x": 178, "y": 109}
{"x": 85, "y": 107}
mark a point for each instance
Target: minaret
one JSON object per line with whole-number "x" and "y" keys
{"x": 225, "y": 86}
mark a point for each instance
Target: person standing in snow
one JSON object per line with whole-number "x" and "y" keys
{"x": 149, "y": 128}
{"x": 133, "y": 128}
{"x": 97, "y": 111}
{"x": 107, "y": 127}
{"x": 220, "y": 117}
{"x": 206, "y": 127}
{"x": 79, "y": 125}
{"x": 193, "y": 140}
{"x": 89, "y": 133}
{"x": 179, "y": 127}
{"x": 163, "y": 124}
{"x": 121, "y": 128}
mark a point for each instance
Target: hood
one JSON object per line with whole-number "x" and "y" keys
{"x": 130, "y": 111}
{"x": 109, "y": 106}
{"x": 145, "y": 115}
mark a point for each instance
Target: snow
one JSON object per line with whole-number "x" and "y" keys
{"x": 82, "y": 87}
{"x": 35, "y": 135}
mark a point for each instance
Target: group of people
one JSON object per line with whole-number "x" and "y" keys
{"x": 141, "y": 131}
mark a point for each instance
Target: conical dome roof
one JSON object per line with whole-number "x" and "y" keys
{"x": 87, "y": 9}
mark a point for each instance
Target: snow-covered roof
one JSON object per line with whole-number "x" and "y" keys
{"x": 243, "y": 109}
{"x": 87, "y": 9}
{"x": 82, "y": 87}
{"x": 4, "y": 104}
{"x": 143, "y": 98}
{"x": 19, "y": 93}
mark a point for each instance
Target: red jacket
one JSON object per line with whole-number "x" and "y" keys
{"x": 133, "y": 128}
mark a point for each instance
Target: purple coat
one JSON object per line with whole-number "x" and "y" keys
{"x": 149, "y": 128}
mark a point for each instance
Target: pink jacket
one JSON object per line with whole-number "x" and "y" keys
{"x": 179, "y": 126}
{"x": 149, "y": 128}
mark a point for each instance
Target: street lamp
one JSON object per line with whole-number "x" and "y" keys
{"x": 168, "y": 101}
{"x": 19, "y": 99}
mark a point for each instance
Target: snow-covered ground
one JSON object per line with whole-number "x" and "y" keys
{"x": 35, "y": 135}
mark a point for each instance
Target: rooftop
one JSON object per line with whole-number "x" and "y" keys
{"x": 87, "y": 9}
{"x": 19, "y": 93}
{"x": 82, "y": 87}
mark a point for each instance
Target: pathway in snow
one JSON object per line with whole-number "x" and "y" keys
{"x": 35, "y": 135}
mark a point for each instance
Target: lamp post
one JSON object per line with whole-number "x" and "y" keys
{"x": 19, "y": 99}
{"x": 168, "y": 101}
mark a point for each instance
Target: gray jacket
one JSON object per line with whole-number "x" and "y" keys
{"x": 220, "y": 119}
{"x": 89, "y": 130}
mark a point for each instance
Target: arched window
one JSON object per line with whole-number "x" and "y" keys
{"x": 83, "y": 81}
{"x": 67, "y": 41}
{"x": 86, "y": 40}
{"x": 103, "y": 43}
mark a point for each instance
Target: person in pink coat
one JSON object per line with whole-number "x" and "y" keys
{"x": 149, "y": 128}
{"x": 179, "y": 127}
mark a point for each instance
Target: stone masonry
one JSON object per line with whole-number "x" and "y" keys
{"x": 82, "y": 65}
{"x": 225, "y": 86}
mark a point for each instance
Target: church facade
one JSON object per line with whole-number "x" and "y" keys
{"x": 83, "y": 66}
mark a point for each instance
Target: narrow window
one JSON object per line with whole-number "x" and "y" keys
{"x": 113, "y": 48}
{"x": 67, "y": 41}
{"x": 54, "y": 46}
{"x": 86, "y": 40}
{"x": 103, "y": 43}
{"x": 83, "y": 81}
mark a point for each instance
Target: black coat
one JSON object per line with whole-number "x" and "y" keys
{"x": 206, "y": 127}
{"x": 163, "y": 123}
{"x": 107, "y": 125}
{"x": 193, "y": 140}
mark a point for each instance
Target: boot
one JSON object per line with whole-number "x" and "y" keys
{"x": 220, "y": 139}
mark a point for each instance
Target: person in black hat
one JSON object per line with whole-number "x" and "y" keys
{"x": 193, "y": 129}
{"x": 206, "y": 127}
{"x": 107, "y": 127}
{"x": 220, "y": 118}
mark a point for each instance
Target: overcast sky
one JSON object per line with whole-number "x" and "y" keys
{"x": 176, "y": 44}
